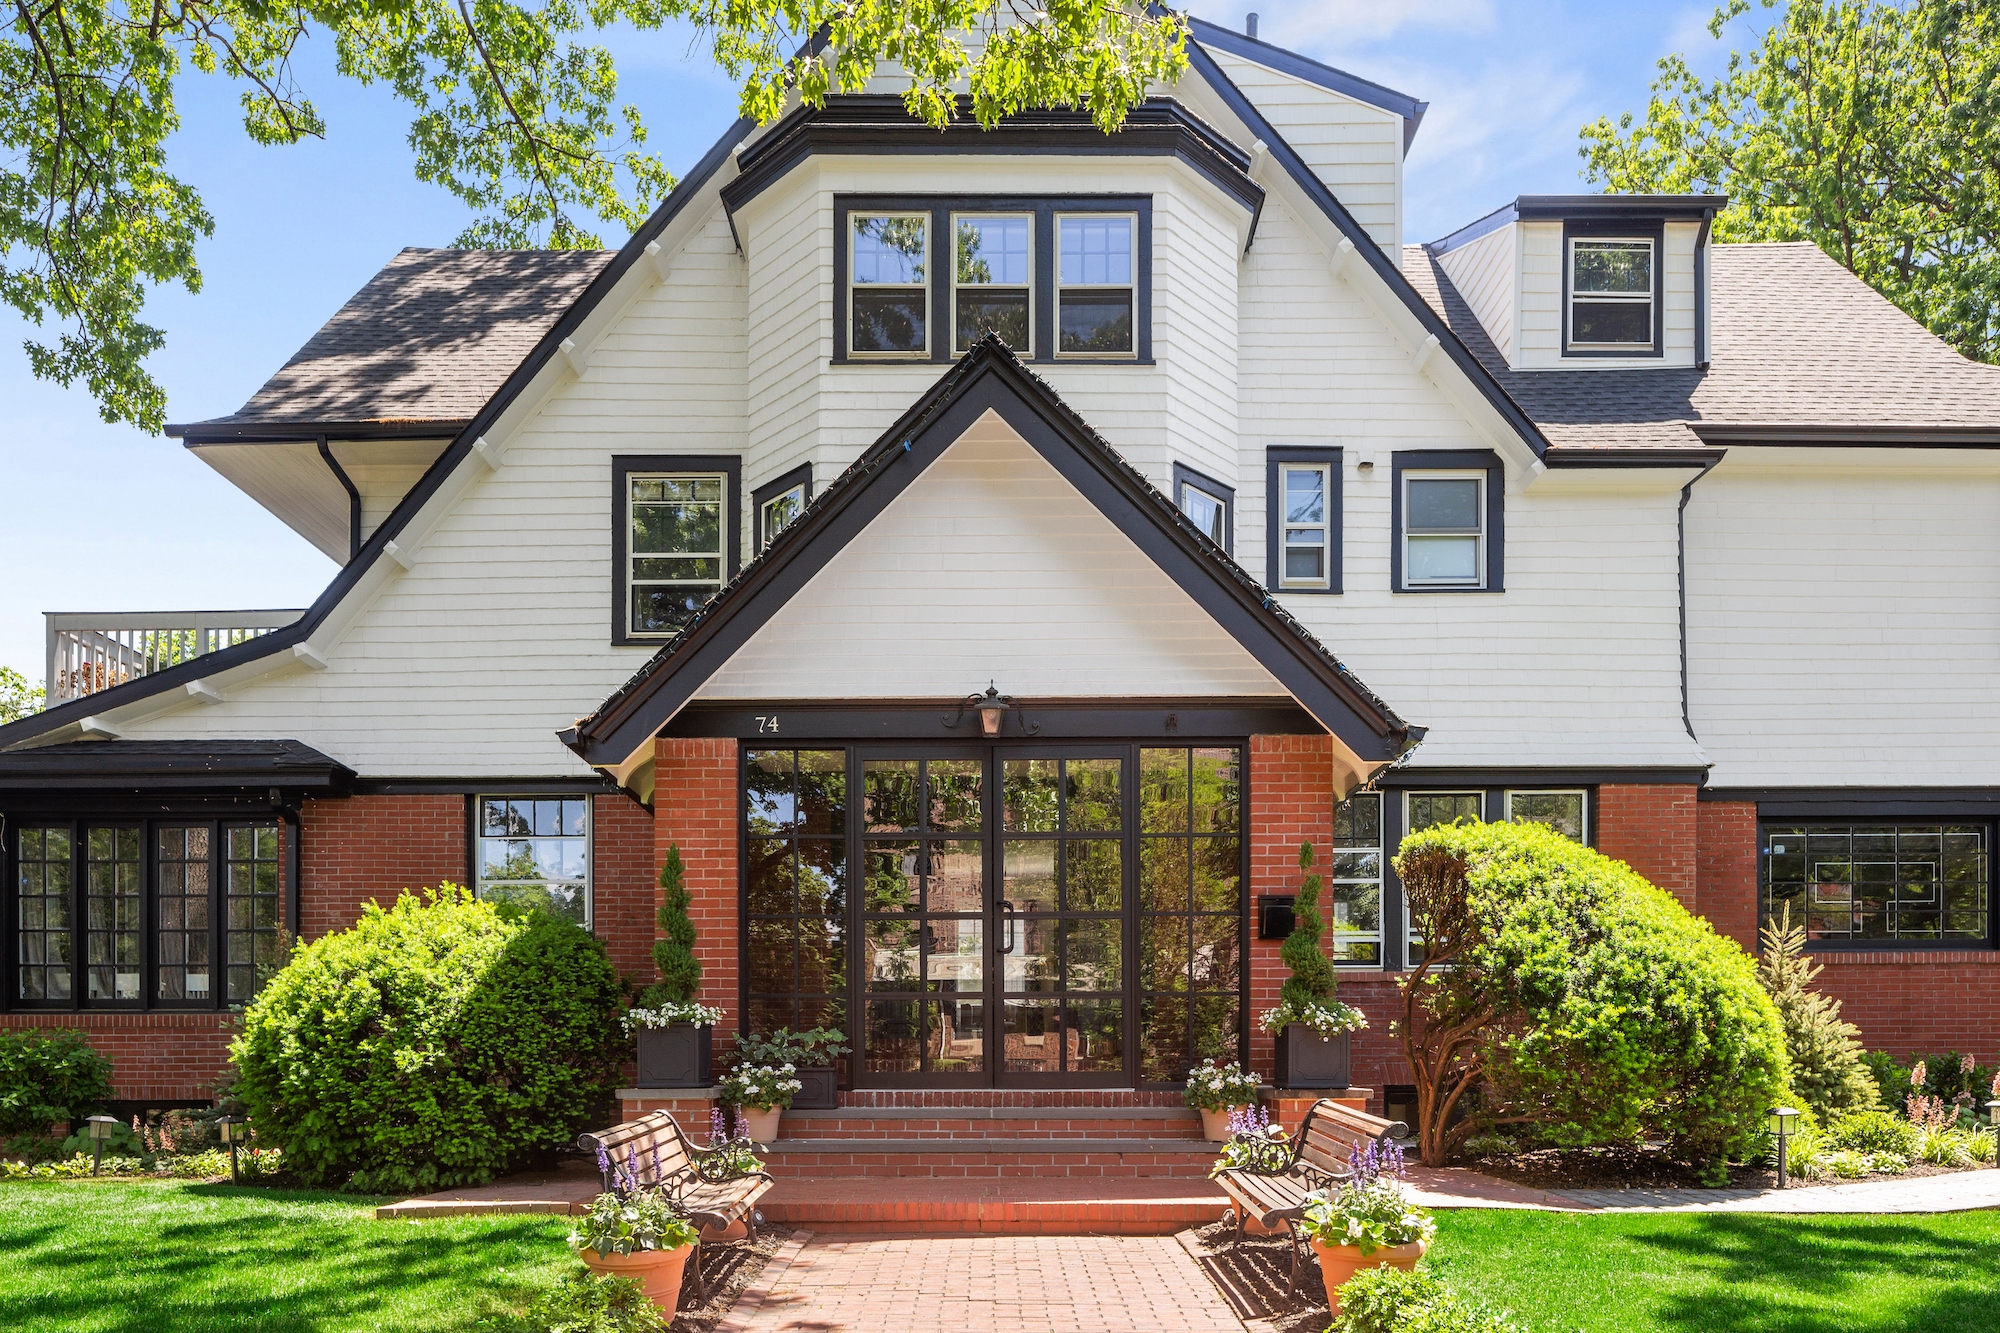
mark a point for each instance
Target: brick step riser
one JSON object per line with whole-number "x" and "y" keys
{"x": 905, "y": 1165}
{"x": 988, "y": 1131}
{"x": 1005, "y": 1227}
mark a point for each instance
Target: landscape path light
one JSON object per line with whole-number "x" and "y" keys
{"x": 100, "y": 1130}
{"x": 1786, "y": 1119}
{"x": 232, "y": 1134}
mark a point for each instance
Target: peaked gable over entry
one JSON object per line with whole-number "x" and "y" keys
{"x": 989, "y": 402}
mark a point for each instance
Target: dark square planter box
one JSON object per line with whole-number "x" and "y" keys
{"x": 681, "y": 1056}
{"x": 821, "y": 1091}
{"x": 1308, "y": 1060}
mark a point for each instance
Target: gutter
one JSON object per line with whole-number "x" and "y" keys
{"x": 353, "y": 498}
{"x": 1708, "y": 460}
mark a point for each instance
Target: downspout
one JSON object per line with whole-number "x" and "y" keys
{"x": 353, "y": 498}
{"x": 294, "y": 835}
{"x": 1681, "y": 558}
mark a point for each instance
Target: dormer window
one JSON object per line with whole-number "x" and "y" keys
{"x": 888, "y": 261}
{"x": 1612, "y": 294}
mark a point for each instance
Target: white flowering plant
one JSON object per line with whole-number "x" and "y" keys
{"x": 760, "y": 1086}
{"x": 1211, "y": 1086}
{"x": 1329, "y": 1018}
{"x": 670, "y": 1013}
{"x": 1369, "y": 1211}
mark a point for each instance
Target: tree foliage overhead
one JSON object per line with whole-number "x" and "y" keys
{"x": 1869, "y": 128}
{"x": 515, "y": 112}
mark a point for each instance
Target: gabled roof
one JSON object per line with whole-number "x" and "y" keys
{"x": 1800, "y": 349}
{"x": 991, "y": 378}
{"x": 1312, "y": 71}
{"x": 419, "y": 349}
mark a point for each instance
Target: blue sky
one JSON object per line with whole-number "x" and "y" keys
{"x": 104, "y": 518}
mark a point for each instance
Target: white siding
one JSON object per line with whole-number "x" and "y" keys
{"x": 1541, "y": 313}
{"x": 1843, "y": 624}
{"x": 1485, "y": 272}
{"x": 1541, "y": 292}
{"x": 990, "y": 566}
{"x": 1355, "y": 148}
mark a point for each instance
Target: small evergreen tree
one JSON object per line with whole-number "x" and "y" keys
{"x": 1313, "y": 978}
{"x": 1829, "y": 1069}
{"x": 673, "y": 952}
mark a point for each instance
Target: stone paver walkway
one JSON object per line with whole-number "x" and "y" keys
{"x": 1954, "y": 1192}
{"x": 982, "y": 1284}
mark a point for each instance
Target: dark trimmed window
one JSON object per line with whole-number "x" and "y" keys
{"x": 1565, "y": 810}
{"x": 676, "y": 539}
{"x": 167, "y": 913}
{"x": 778, "y": 504}
{"x": 1613, "y": 289}
{"x": 1208, "y": 504}
{"x": 795, "y": 888}
{"x": 534, "y": 851}
{"x": 1861, "y": 883}
{"x": 1192, "y": 914}
{"x": 1302, "y": 489}
{"x": 1354, "y": 879}
{"x": 1055, "y": 277}
{"x": 1447, "y": 512}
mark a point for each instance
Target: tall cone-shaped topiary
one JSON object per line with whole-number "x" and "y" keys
{"x": 1313, "y": 978}
{"x": 673, "y": 952}
{"x": 1828, "y": 1070}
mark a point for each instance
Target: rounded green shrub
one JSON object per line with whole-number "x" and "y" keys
{"x": 438, "y": 1042}
{"x": 1873, "y": 1132}
{"x": 1616, "y": 1014}
{"x": 49, "y": 1076}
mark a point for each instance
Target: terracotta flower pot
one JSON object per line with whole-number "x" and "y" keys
{"x": 657, "y": 1271}
{"x": 1215, "y": 1124}
{"x": 761, "y": 1122}
{"x": 1337, "y": 1263}
{"x": 737, "y": 1230}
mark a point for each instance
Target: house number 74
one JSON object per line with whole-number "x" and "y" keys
{"x": 766, "y": 724}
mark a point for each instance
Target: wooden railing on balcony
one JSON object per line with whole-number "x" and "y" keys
{"x": 88, "y": 653}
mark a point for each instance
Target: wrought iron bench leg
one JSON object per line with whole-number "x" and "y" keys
{"x": 700, "y": 1280}
{"x": 1292, "y": 1284}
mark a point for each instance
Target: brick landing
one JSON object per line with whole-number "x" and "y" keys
{"x": 1013, "y": 1207}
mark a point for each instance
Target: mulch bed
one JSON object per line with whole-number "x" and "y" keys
{"x": 1558, "y": 1169}
{"x": 1252, "y": 1273}
{"x": 730, "y": 1269}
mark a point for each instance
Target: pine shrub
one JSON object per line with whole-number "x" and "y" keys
{"x": 1829, "y": 1071}
{"x": 438, "y": 1042}
{"x": 673, "y": 952}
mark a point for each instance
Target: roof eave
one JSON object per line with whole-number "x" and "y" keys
{"x": 195, "y": 433}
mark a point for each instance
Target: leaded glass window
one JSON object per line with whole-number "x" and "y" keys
{"x": 252, "y": 943}
{"x": 45, "y": 963}
{"x": 1191, "y": 905}
{"x": 1862, "y": 882}
{"x": 183, "y": 884}
{"x": 111, "y": 868}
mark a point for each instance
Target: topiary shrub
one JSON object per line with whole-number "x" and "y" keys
{"x": 49, "y": 1076}
{"x": 1605, "y": 1012}
{"x": 1828, "y": 1070}
{"x": 438, "y": 1042}
{"x": 673, "y": 952}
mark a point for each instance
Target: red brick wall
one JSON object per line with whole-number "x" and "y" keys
{"x": 154, "y": 1057}
{"x": 624, "y": 883}
{"x": 373, "y": 847}
{"x": 695, "y": 807}
{"x": 1291, "y": 801}
{"x": 1920, "y": 1003}
{"x": 1651, "y": 827}
{"x": 1726, "y": 868}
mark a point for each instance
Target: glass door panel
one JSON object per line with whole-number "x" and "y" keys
{"x": 924, "y": 912}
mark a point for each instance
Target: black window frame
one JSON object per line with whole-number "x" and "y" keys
{"x": 1042, "y": 295}
{"x": 1766, "y": 823}
{"x": 623, "y": 466}
{"x": 1276, "y": 459}
{"x": 1451, "y": 460}
{"x": 219, "y": 826}
{"x": 1184, "y": 477}
{"x": 1654, "y": 231}
{"x": 800, "y": 476}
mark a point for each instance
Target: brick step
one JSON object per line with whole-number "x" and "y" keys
{"x": 1080, "y": 1158}
{"x": 1012, "y": 1207}
{"x": 984, "y": 1124}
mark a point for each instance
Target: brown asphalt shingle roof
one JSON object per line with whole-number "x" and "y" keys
{"x": 429, "y": 338}
{"x": 1797, "y": 340}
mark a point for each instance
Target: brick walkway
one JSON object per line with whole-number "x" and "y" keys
{"x": 1955, "y": 1192}
{"x": 982, "y": 1284}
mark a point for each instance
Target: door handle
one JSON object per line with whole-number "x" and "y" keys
{"x": 1007, "y": 918}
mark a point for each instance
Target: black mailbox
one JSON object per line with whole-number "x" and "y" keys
{"x": 1274, "y": 915}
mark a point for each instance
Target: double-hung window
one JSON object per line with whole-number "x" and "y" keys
{"x": 1302, "y": 548}
{"x": 888, "y": 265}
{"x": 167, "y": 912}
{"x": 676, "y": 532}
{"x": 534, "y": 851}
{"x": 1612, "y": 295}
{"x": 1444, "y": 528}
{"x": 993, "y": 275}
{"x": 1096, "y": 295}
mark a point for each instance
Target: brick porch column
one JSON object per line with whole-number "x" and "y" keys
{"x": 1726, "y": 868}
{"x": 1291, "y": 801}
{"x": 694, "y": 806}
{"x": 1651, "y": 827}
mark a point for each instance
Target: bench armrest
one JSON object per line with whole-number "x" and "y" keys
{"x": 711, "y": 1170}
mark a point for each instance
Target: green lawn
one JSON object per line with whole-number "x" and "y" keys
{"x": 1728, "y": 1273}
{"x": 83, "y": 1257}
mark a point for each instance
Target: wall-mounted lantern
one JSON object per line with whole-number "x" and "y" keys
{"x": 992, "y": 708}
